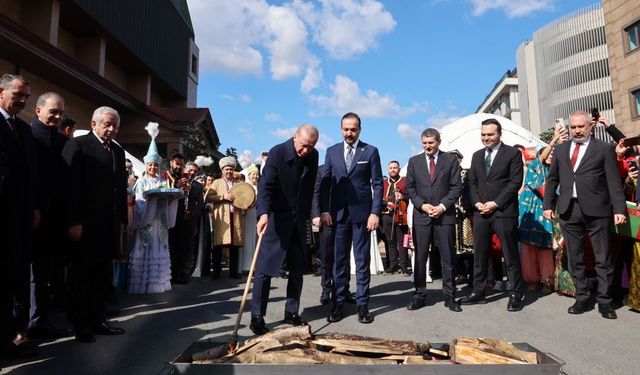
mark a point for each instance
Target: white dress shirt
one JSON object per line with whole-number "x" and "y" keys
{"x": 581, "y": 151}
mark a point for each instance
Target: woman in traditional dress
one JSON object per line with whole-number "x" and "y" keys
{"x": 228, "y": 221}
{"x": 149, "y": 261}
{"x": 250, "y": 219}
{"x": 534, "y": 230}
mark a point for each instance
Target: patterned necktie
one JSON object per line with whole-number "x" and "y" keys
{"x": 12, "y": 124}
{"x": 107, "y": 146}
{"x": 349, "y": 158}
{"x": 487, "y": 161}
{"x": 432, "y": 167}
{"x": 574, "y": 155}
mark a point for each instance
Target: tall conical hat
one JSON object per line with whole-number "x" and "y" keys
{"x": 152, "y": 154}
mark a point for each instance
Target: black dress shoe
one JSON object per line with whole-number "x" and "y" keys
{"x": 390, "y": 271}
{"x": 515, "y": 302}
{"x": 473, "y": 299}
{"x": 336, "y": 315}
{"x": 451, "y": 304}
{"x": 235, "y": 275}
{"x": 606, "y": 311}
{"x": 351, "y": 298}
{"x": 364, "y": 316}
{"x": 107, "y": 329}
{"x": 579, "y": 308}
{"x": 9, "y": 350}
{"x": 416, "y": 303}
{"x": 293, "y": 319}
{"x": 405, "y": 272}
{"x": 258, "y": 326}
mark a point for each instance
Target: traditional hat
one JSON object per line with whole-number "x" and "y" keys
{"x": 152, "y": 154}
{"x": 227, "y": 161}
{"x": 250, "y": 169}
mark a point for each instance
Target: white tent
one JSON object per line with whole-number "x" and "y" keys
{"x": 138, "y": 165}
{"x": 464, "y": 135}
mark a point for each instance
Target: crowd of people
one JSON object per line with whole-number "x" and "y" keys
{"x": 546, "y": 218}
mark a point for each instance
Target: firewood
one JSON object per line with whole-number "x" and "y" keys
{"x": 210, "y": 354}
{"x": 467, "y": 350}
{"x": 386, "y": 347}
{"x": 249, "y": 354}
{"x": 284, "y": 335}
{"x": 300, "y": 356}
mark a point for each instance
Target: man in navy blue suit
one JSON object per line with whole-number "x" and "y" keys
{"x": 351, "y": 198}
{"x": 285, "y": 193}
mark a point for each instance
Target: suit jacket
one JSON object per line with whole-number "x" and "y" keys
{"x": 18, "y": 177}
{"x": 98, "y": 188}
{"x": 598, "y": 185}
{"x": 285, "y": 193}
{"x": 502, "y": 183}
{"x": 315, "y": 204}
{"x": 445, "y": 188}
{"x": 52, "y": 170}
{"x": 351, "y": 189}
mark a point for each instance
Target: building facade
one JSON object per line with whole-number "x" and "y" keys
{"x": 565, "y": 68}
{"x": 138, "y": 57}
{"x": 622, "y": 24}
{"x": 503, "y": 100}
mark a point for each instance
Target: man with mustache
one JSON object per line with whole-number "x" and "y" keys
{"x": 18, "y": 201}
{"x": 586, "y": 172}
{"x": 351, "y": 199}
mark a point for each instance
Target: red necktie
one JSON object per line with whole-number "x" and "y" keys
{"x": 432, "y": 168}
{"x": 574, "y": 155}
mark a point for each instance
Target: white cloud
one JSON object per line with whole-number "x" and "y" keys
{"x": 349, "y": 27}
{"x": 247, "y": 133}
{"x": 227, "y": 97}
{"x": 440, "y": 120}
{"x": 245, "y": 159}
{"x": 275, "y": 118}
{"x": 239, "y": 36}
{"x": 283, "y": 133}
{"x": 512, "y": 8}
{"x": 346, "y": 97}
{"x": 408, "y": 132}
{"x": 245, "y": 98}
{"x": 324, "y": 142}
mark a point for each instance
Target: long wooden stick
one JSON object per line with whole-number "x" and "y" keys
{"x": 233, "y": 341}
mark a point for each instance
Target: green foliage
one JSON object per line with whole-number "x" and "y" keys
{"x": 547, "y": 135}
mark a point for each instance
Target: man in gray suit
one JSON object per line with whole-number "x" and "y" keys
{"x": 433, "y": 185}
{"x": 585, "y": 169}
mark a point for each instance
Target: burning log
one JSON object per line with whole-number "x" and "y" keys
{"x": 467, "y": 350}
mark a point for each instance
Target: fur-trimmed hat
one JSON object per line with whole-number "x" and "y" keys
{"x": 227, "y": 161}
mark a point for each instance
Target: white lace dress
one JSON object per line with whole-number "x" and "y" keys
{"x": 149, "y": 260}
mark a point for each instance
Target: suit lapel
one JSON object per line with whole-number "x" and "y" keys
{"x": 439, "y": 165}
{"x": 585, "y": 158}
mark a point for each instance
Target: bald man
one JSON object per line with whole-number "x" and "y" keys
{"x": 285, "y": 193}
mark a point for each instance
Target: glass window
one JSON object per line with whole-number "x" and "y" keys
{"x": 633, "y": 33}
{"x": 636, "y": 99}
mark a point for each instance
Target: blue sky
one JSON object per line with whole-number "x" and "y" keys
{"x": 402, "y": 65}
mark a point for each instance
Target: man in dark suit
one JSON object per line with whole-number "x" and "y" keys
{"x": 586, "y": 172}
{"x": 326, "y": 242}
{"x": 97, "y": 210}
{"x": 18, "y": 182}
{"x": 285, "y": 192}
{"x": 183, "y": 234}
{"x": 351, "y": 198}
{"x": 50, "y": 239}
{"x": 433, "y": 185}
{"x": 494, "y": 180}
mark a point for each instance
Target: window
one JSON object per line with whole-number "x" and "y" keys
{"x": 633, "y": 36}
{"x": 194, "y": 65}
{"x": 635, "y": 103}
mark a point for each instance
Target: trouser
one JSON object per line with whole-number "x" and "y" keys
{"x": 234, "y": 257}
{"x": 346, "y": 234}
{"x": 574, "y": 223}
{"x": 90, "y": 283}
{"x": 396, "y": 252}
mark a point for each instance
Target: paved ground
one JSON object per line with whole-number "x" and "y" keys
{"x": 159, "y": 327}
